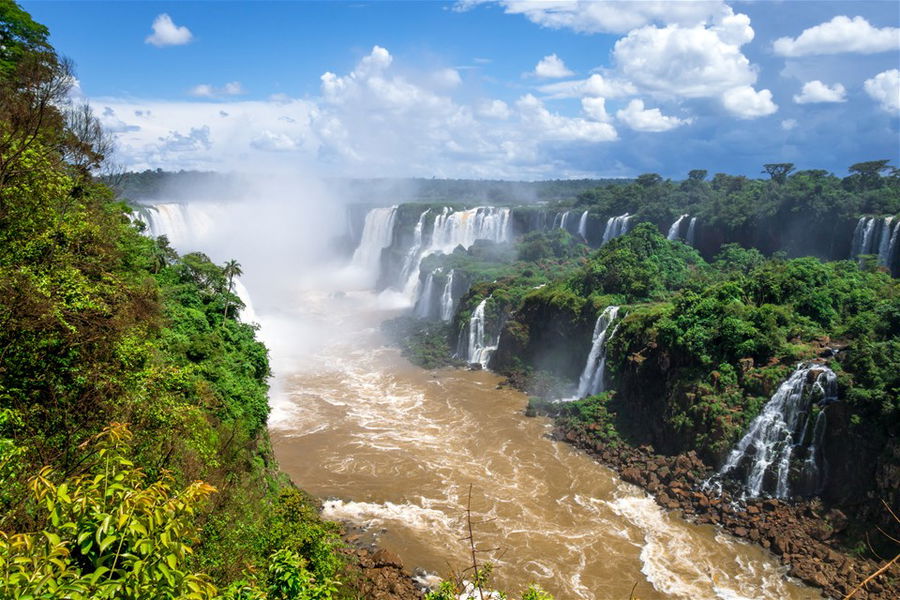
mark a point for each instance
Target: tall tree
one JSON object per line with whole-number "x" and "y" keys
{"x": 231, "y": 269}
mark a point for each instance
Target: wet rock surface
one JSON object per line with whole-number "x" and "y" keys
{"x": 800, "y": 533}
{"x": 377, "y": 573}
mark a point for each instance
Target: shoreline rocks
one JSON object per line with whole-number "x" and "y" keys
{"x": 801, "y": 533}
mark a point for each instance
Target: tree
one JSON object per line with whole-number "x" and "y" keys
{"x": 231, "y": 270}
{"x": 19, "y": 35}
{"x": 778, "y": 171}
{"x": 867, "y": 175}
{"x": 697, "y": 174}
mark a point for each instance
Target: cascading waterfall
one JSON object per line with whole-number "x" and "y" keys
{"x": 169, "y": 219}
{"x": 676, "y": 228}
{"x": 593, "y": 377}
{"x": 451, "y": 229}
{"x": 582, "y": 225}
{"x": 426, "y": 299}
{"x": 478, "y": 350}
{"x": 564, "y": 221}
{"x": 447, "y": 302}
{"x": 691, "y": 231}
{"x": 762, "y": 458}
{"x": 462, "y": 228}
{"x": 874, "y": 235}
{"x": 616, "y": 226}
{"x": 378, "y": 232}
{"x": 410, "y": 271}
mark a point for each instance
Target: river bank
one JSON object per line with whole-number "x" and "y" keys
{"x": 800, "y": 533}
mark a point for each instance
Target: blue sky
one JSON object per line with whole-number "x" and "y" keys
{"x": 504, "y": 89}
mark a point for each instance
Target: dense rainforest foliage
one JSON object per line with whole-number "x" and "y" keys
{"x": 103, "y": 326}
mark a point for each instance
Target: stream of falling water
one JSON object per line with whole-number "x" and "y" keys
{"x": 395, "y": 447}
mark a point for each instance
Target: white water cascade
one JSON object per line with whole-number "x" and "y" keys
{"x": 423, "y": 306}
{"x": 763, "y": 456}
{"x": 582, "y": 225}
{"x": 676, "y": 228}
{"x": 410, "y": 271}
{"x": 616, "y": 226}
{"x": 378, "y": 232}
{"x": 875, "y": 235}
{"x": 447, "y": 301}
{"x": 478, "y": 350}
{"x": 593, "y": 377}
{"x": 449, "y": 230}
{"x": 692, "y": 226}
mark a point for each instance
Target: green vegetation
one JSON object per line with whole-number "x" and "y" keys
{"x": 101, "y": 326}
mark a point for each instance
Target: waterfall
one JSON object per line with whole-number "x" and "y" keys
{"x": 378, "y": 232}
{"x": 874, "y": 235}
{"x": 676, "y": 227}
{"x": 447, "y": 298}
{"x": 884, "y": 243}
{"x": 451, "y": 229}
{"x": 856, "y": 247}
{"x": 764, "y": 454}
{"x": 691, "y": 230}
{"x": 593, "y": 377}
{"x": 478, "y": 351}
{"x": 410, "y": 271}
{"x": 462, "y": 228}
{"x": 812, "y": 472}
{"x": 892, "y": 245}
{"x": 169, "y": 219}
{"x": 248, "y": 313}
{"x": 582, "y": 225}
{"x": 426, "y": 299}
{"x": 616, "y": 226}
{"x": 564, "y": 220}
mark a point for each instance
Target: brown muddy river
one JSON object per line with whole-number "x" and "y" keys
{"x": 395, "y": 447}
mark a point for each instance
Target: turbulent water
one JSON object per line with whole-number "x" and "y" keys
{"x": 395, "y": 447}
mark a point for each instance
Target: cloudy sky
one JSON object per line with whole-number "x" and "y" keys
{"x": 508, "y": 89}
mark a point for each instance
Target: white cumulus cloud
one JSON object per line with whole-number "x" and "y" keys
{"x": 552, "y": 67}
{"x": 610, "y": 16}
{"x": 839, "y": 35}
{"x": 493, "y": 109}
{"x": 693, "y": 62}
{"x": 789, "y": 124}
{"x": 885, "y": 89}
{"x": 651, "y": 119}
{"x": 816, "y": 91}
{"x": 167, "y": 33}
{"x": 595, "y": 108}
{"x": 556, "y": 127}
{"x": 746, "y": 103}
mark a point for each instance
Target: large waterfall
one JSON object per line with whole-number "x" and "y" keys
{"x": 875, "y": 235}
{"x": 451, "y": 229}
{"x": 378, "y": 232}
{"x": 478, "y": 350}
{"x": 616, "y": 226}
{"x": 763, "y": 457}
{"x": 560, "y": 221}
{"x": 582, "y": 225}
{"x": 593, "y": 377}
{"x": 675, "y": 228}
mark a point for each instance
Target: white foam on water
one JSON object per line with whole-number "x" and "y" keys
{"x": 371, "y": 514}
{"x": 675, "y": 564}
